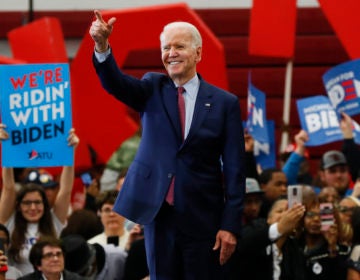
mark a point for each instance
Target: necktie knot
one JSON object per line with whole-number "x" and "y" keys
{"x": 180, "y": 90}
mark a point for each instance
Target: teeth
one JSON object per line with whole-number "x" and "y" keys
{"x": 173, "y": 62}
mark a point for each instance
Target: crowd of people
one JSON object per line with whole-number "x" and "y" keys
{"x": 183, "y": 198}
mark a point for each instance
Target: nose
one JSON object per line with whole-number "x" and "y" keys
{"x": 172, "y": 52}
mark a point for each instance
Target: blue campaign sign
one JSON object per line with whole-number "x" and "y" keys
{"x": 35, "y": 103}
{"x": 319, "y": 119}
{"x": 265, "y": 153}
{"x": 256, "y": 122}
{"x": 342, "y": 84}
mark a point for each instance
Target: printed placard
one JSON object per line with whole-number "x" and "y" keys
{"x": 319, "y": 119}
{"x": 342, "y": 84}
{"x": 36, "y": 109}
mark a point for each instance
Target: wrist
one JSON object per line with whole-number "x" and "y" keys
{"x": 101, "y": 48}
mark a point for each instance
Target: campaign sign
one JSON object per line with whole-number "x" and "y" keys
{"x": 256, "y": 121}
{"x": 264, "y": 152}
{"x": 319, "y": 119}
{"x": 342, "y": 84}
{"x": 36, "y": 109}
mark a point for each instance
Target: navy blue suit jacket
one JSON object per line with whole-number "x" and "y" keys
{"x": 208, "y": 165}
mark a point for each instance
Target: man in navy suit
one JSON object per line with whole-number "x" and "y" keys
{"x": 186, "y": 187}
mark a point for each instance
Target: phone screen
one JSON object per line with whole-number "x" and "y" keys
{"x": 326, "y": 215}
{"x": 2, "y": 248}
{"x": 86, "y": 179}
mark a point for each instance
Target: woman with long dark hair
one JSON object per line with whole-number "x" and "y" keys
{"x": 27, "y": 214}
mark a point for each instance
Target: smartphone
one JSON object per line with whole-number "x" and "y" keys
{"x": 326, "y": 215}
{"x": 86, "y": 179}
{"x": 3, "y": 268}
{"x": 113, "y": 240}
{"x": 294, "y": 193}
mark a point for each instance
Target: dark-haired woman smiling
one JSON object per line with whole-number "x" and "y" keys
{"x": 27, "y": 214}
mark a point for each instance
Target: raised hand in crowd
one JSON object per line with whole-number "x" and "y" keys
{"x": 346, "y": 126}
{"x": 300, "y": 139}
{"x": 289, "y": 220}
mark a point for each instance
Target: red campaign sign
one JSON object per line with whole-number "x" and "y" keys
{"x": 272, "y": 28}
{"x": 344, "y": 19}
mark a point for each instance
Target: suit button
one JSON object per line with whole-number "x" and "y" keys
{"x": 170, "y": 175}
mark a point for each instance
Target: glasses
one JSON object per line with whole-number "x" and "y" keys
{"x": 107, "y": 211}
{"x": 345, "y": 209}
{"x": 312, "y": 215}
{"x": 51, "y": 255}
{"x": 28, "y": 203}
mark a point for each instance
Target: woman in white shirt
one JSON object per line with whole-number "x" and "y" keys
{"x": 27, "y": 214}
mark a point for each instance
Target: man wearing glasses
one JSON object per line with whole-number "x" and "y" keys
{"x": 47, "y": 257}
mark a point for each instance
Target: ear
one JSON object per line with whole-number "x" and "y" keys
{"x": 198, "y": 54}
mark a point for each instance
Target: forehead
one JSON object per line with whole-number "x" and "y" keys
{"x": 107, "y": 205}
{"x": 278, "y": 176}
{"x": 341, "y": 167}
{"x": 49, "y": 248}
{"x": 32, "y": 195}
{"x": 280, "y": 204}
{"x": 329, "y": 191}
{"x": 176, "y": 34}
{"x": 347, "y": 202}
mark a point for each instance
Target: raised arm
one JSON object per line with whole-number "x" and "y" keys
{"x": 100, "y": 32}
{"x": 62, "y": 202}
{"x": 8, "y": 192}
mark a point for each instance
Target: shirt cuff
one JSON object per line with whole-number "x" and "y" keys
{"x": 101, "y": 57}
{"x": 274, "y": 234}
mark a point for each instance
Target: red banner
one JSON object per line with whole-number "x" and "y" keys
{"x": 272, "y": 28}
{"x": 344, "y": 19}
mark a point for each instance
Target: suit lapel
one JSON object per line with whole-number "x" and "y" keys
{"x": 171, "y": 107}
{"x": 202, "y": 107}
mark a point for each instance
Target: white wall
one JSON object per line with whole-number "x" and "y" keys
{"x": 41, "y": 5}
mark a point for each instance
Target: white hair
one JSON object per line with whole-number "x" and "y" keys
{"x": 195, "y": 34}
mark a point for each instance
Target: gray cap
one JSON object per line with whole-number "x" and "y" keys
{"x": 252, "y": 186}
{"x": 332, "y": 158}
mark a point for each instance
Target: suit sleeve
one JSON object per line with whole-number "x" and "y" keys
{"x": 129, "y": 90}
{"x": 233, "y": 169}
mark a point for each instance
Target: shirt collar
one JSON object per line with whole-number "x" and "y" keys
{"x": 192, "y": 86}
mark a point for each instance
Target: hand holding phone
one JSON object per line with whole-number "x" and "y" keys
{"x": 3, "y": 268}
{"x": 86, "y": 179}
{"x": 294, "y": 195}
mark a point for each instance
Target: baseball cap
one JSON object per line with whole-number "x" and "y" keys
{"x": 42, "y": 178}
{"x": 332, "y": 158}
{"x": 252, "y": 186}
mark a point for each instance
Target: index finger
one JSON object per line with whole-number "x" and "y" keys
{"x": 98, "y": 16}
